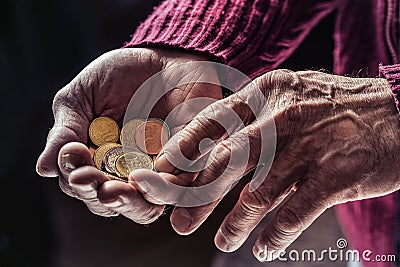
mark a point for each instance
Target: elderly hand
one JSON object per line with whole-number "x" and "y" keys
{"x": 337, "y": 140}
{"x": 104, "y": 88}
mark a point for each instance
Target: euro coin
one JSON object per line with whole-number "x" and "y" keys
{"x": 131, "y": 161}
{"x": 110, "y": 156}
{"x": 151, "y": 135}
{"x": 100, "y": 152}
{"x": 103, "y": 130}
{"x": 128, "y": 132}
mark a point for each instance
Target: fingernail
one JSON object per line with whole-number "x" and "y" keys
{"x": 182, "y": 220}
{"x": 221, "y": 241}
{"x": 71, "y": 162}
{"x": 114, "y": 203}
{"x": 163, "y": 165}
{"x": 44, "y": 170}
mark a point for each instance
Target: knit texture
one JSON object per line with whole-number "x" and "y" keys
{"x": 392, "y": 75}
{"x": 254, "y": 36}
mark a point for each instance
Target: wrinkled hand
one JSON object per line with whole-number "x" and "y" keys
{"x": 104, "y": 88}
{"x": 337, "y": 140}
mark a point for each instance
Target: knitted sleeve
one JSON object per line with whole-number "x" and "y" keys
{"x": 392, "y": 75}
{"x": 253, "y": 36}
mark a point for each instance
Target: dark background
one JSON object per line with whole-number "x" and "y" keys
{"x": 43, "y": 45}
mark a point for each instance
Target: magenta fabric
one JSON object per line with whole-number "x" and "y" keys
{"x": 392, "y": 75}
{"x": 255, "y": 36}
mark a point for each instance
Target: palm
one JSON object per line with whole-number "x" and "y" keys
{"x": 105, "y": 88}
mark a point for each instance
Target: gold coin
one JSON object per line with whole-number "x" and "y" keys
{"x": 121, "y": 168}
{"x": 151, "y": 136}
{"x": 113, "y": 177}
{"x": 131, "y": 161}
{"x": 128, "y": 132}
{"x": 103, "y": 130}
{"x": 110, "y": 156}
{"x": 100, "y": 153}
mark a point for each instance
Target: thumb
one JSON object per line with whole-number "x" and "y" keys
{"x": 69, "y": 126}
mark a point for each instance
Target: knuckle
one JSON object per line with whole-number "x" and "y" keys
{"x": 100, "y": 210}
{"x": 288, "y": 221}
{"x": 218, "y": 165}
{"x": 143, "y": 215}
{"x": 217, "y": 168}
{"x": 277, "y": 240}
{"x": 232, "y": 231}
{"x": 286, "y": 227}
{"x": 59, "y": 99}
{"x": 256, "y": 200}
{"x": 66, "y": 188}
{"x": 278, "y": 76}
{"x": 293, "y": 112}
{"x": 281, "y": 72}
{"x": 224, "y": 150}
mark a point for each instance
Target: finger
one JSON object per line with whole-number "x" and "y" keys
{"x": 72, "y": 156}
{"x": 165, "y": 188}
{"x": 125, "y": 199}
{"x": 295, "y": 215}
{"x": 219, "y": 120}
{"x": 78, "y": 177}
{"x": 84, "y": 183}
{"x": 214, "y": 123}
{"x": 230, "y": 162}
{"x": 250, "y": 209}
{"x": 69, "y": 126}
{"x": 255, "y": 203}
{"x": 187, "y": 220}
{"x": 159, "y": 188}
{"x": 231, "y": 159}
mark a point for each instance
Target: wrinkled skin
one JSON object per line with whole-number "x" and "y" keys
{"x": 104, "y": 88}
{"x": 337, "y": 141}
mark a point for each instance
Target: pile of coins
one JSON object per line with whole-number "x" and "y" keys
{"x": 116, "y": 153}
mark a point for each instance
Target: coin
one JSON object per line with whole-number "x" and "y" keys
{"x": 103, "y": 130}
{"x": 121, "y": 168}
{"x": 110, "y": 156}
{"x": 130, "y": 161}
{"x": 151, "y": 135}
{"x": 101, "y": 152}
{"x": 127, "y": 136}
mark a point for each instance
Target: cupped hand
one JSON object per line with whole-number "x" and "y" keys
{"x": 337, "y": 140}
{"x": 105, "y": 88}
